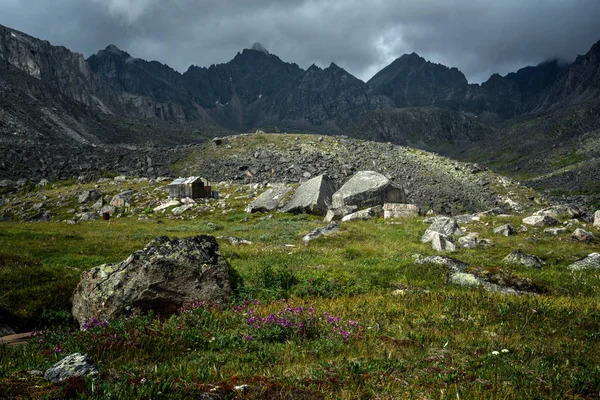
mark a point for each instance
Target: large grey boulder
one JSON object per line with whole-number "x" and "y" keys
{"x": 161, "y": 277}
{"x": 528, "y": 260}
{"x": 592, "y": 261}
{"x": 368, "y": 189}
{"x": 72, "y": 366}
{"x": 269, "y": 200}
{"x": 312, "y": 197}
{"x": 541, "y": 220}
{"x": 562, "y": 210}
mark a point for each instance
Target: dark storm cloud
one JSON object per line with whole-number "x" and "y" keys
{"x": 479, "y": 37}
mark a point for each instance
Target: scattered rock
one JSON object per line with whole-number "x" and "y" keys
{"x": 528, "y": 260}
{"x": 161, "y": 277}
{"x": 444, "y": 225}
{"x": 269, "y": 200}
{"x": 181, "y": 209}
{"x": 505, "y": 230}
{"x": 122, "y": 200}
{"x": 398, "y": 210}
{"x": 164, "y": 206}
{"x": 312, "y": 197}
{"x": 472, "y": 241}
{"x": 322, "y": 231}
{"x": 592, "y": 261}
{"x": 89, "y": 195}
{"x": 452, "y": 263}
{"x": 562, "y": 210}
{"x": 42, "y": 216}
{"x": 582, "y": 235}
{"x": 336, "y": 214}
{"x": 541, "y": 220}
{"x": 368, "y": 213}
{"x": 235, "y": 240}
{"x": 466, "y": 218}
{"x": 71, "y": 366}
{"x": 87, "y": 216}
{"x": 368, "y": 189}
{"x": 597, "y": 219}
{"x": 554, "y": 231}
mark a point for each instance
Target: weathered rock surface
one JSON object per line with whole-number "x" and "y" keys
{"x": 71, "y": 366}
{"x": 592, "y": 261}
{"x": 582, "y": 235}
{"x": 441, "y": 242}
{"x": 528, "y": 260}
{"x": 505, "y": 230}
{"x": 235, "y": 240}
{"x": 562, "y": 210}
{"x": 322, "y": 231}
{"x": 269, "y": 200}
{"x": 541, "y": 220}
{"x": 367, "y": 189}
{"x": 160, "y": 277}
{"x": 336, "y": 214}
{"x": 444, "y": 225}
{"x": 597, "y": 219}
{"x": 312, "y": 197}
{"x": 367, "y": 213}
{"x": 399, "y": 210}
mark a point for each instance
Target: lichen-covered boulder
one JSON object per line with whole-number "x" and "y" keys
{"x": 592, "y": 261}
{"x": 269, "y": 200}
{"x": 541, "y": 220}
{"x": 444, "y": 225}
{"x": 161, "y": 277}
{"x": 72, "y": 366}
{"x": 312, "y": 197}
{"x": 368, "y": 189}
{"x": 562, "y": 210}
{"x": 528, "y": 260}
{"x": 582, "y": 235}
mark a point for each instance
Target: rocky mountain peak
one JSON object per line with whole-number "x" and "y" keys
{"x": 257, "y": 46}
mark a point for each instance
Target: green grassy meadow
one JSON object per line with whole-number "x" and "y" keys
{"x": 366, "y": 322}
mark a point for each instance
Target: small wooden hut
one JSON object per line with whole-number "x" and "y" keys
{"x": 193, "y": 187}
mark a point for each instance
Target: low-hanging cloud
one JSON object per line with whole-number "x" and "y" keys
{"x": 479, "y": 37}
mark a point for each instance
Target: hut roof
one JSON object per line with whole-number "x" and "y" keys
{"x": 189, "y": 180}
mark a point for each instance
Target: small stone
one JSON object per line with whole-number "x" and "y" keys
{"x": 505, "y": 230}
{"x": 541, "y": 220}
{"x": 368, "y": 213}
{"x": 528, "y": 260}
{"x": 441, "y": 242}
{"x": 582, "y": 235}
{"x": 322, "y": 231}
{"x": 597, "y": 219}
{"x": 71, "y": 366}
{"x": 554, "y": 231}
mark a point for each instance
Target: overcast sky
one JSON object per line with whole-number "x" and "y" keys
{"x": 479, "y": 37}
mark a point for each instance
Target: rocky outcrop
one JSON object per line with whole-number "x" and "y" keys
{"x": 161, "y": 277}
{"x": 312, "y": 197}
{"x": 367, "y": 189}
